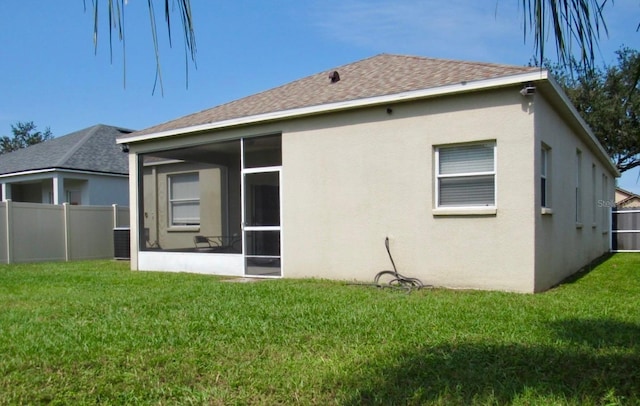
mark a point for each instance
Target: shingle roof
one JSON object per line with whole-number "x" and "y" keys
{"x": 92, "y": 149}
{"x": 380, "y": 75}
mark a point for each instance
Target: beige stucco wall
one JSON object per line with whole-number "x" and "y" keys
{"x": 352, "y": 179}
{"x": 563, "y": 246}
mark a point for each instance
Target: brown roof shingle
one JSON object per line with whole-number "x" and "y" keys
{"x": 380, "y": 75}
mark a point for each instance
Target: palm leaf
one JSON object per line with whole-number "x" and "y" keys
{"x": 572, "y": 23}
{"x": 116, "y": 19}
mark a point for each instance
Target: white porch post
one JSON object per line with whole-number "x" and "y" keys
{"x": 135, "y": 181}
{"x": 58, "y": 189}
{"x": 6, "y": 191}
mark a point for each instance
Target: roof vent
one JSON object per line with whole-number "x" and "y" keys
{"x": 334, "y": 76}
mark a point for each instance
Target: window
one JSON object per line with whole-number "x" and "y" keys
{"x": 593, "y": 195}
{"x": 578, "y": 187}
{"x": 545, "y": 201}
{"x": 184, "y": 199}
{"x": 466, "y": 175}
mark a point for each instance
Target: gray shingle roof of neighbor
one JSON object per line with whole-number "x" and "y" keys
{"x": 380, "y": 75}
{"x": 92, "y": 149}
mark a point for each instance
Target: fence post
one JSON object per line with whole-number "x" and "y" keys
{"x": 67, "y": 233}
{"x": 9, "y": 222}
{"x": 115, "y": 215}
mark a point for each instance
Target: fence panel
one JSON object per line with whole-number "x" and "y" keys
{"x": 90, "y": 232}
{"x": 625, "y": 230}
{"x": 122, "y": 216}
{"x": 31, "y": 232}
{"x": 36, "y": 232}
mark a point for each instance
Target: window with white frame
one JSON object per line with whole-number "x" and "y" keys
{"x": 466, "y": 175}
{"x": 184, "y": 199}
{"x": 593, "y": 195}
{"x": 578, "y": 186}
{"x": 545, "y": 200}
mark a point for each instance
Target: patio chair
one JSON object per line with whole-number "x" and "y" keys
{"x": 204, "y": 243}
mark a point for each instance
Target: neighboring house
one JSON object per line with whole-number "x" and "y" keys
{"x": 482, "y": 176}
{"x": 86, "y": 167}
{"x": 626, "y": 199}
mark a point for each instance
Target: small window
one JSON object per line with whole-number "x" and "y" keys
{"x": 578, "y": 187}
{"x": 466, "y": 175}
{"x": 184, "y": 199}
{"x": 593, "y": 195}
{"x": 545, "y": 200}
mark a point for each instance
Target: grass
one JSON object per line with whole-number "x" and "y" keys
{"x": 95, "y": 332}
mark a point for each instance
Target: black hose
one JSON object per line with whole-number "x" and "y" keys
{"x": 397, "y": 280}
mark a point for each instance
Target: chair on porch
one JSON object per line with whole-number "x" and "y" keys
{"x": 221, "y": 244}
{"x": 205, "y": 244}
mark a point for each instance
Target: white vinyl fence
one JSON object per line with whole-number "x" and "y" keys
{"x": 31, "y": 232}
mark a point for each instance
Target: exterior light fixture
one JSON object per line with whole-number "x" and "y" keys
{"x": 528, "y": 90}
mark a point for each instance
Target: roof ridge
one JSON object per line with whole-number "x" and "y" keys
{"x": 77, "y": 145}
{"x": 457, "y": 61}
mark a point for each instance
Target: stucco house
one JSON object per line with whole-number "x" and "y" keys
{"x": 481, "y": 175}
{"x": 86, "y": 167}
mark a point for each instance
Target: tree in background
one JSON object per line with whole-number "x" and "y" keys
{"x": 24, "y": 134}
{"x": 608, "y": 99}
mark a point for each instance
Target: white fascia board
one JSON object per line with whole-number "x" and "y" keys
{"x": 576, "y": 115}
{"x": 346, "y": 105}
{"x": 50, "y": 170}
{"x": 32, "y": 172}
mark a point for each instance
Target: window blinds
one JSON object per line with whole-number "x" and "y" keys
{"x": 185, "y": 199}
{"x": 466, "y": 175}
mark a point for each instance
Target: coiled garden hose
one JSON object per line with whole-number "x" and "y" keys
{"x": 396, "y": 279}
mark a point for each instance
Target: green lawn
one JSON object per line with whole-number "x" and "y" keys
{"x": 95, "y": 332}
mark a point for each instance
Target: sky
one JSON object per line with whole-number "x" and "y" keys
{"x": 51, "y": 73}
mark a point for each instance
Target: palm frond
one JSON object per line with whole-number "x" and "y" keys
{"x": 576, "y": 27}
{"x": 116, "y": 19}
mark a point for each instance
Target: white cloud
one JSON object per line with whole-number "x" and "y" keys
{"x": 480, "y": 30}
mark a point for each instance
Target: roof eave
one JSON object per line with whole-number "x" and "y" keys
{"x": 583, "y": 124}
{"x": 344, "y": 105}
{"x": 37, "y": 171}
